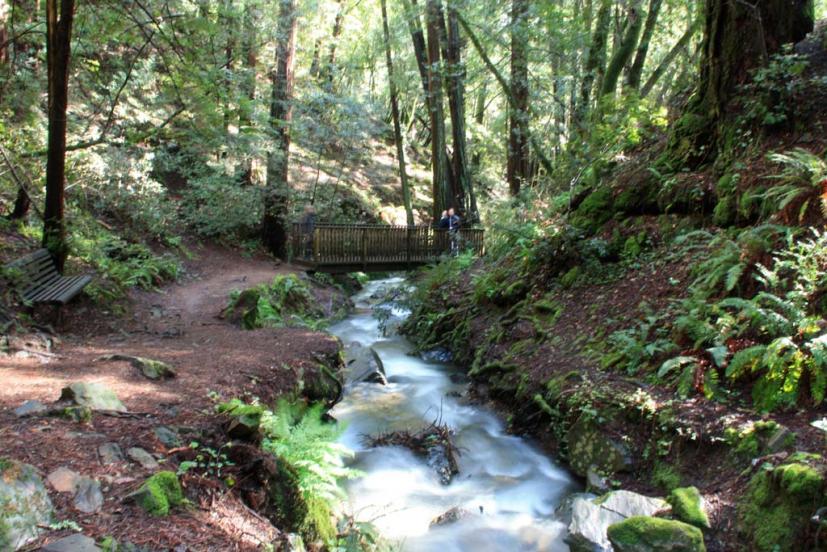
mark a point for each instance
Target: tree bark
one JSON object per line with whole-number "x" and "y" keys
{"x": 464, "y": 190}
{"x": 479, "y": 119}
{"x": 518, "y": 164}
{"x": 315, "y": 63}
{"x": 441, "y": 190}
{"x": 418, "y": 39}
{"x": 636, "y": 72}
{"x": 397, "y": 126}
{"x": 738, "y": 38}
{"x": 681, "y": 45}
{"x": 595, "y": 60}
{"x": 4, "y": 33}
{"x": 275, "y": 226}
{"x": 249, "y": 54}
{"x": 59, "y": 19}
{"x": 625, "y": 49}
{"x": 329, "y": 71}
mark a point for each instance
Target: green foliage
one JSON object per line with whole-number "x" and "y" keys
{"x": 301, "y": 437}
{"x": 636, "y": 348}
{"x": 159, "y": 493}
{"x": 666, "y": 476}
{"x": 799, "y": 186}
{"x": 216, "y": 206}
{"x": 208, "y": 461}
{"x": 772, "y": 91}
{"x": 286, "y": 301}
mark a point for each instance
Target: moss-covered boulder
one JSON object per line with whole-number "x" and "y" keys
{"x": 595, "y": 210}
{"x": 286, "y": 505}
{"x": 649, "y": 534}
{"x": 688, "y": 506}
{"x": 775, "y": 512}
{"x": 160, "y": 493}
{"x": 151, "y": 369}
{"x": 93, "y": 395}
{"x": 589, "y": 447}
{"x": 24, "y": 504}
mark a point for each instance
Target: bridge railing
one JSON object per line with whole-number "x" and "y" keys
{"x": 363, "y": 245}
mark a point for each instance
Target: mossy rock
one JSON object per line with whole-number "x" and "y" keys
{"x": 24, "y": 504}
{"x": 244, "y": 310}
{"x": 93, "y": 395}
{"x": 568, "y": 279}
{"x": 759, "y": 438}
{"x": 595, "y": 211}
{"x": 589, "y": 447}
{"x": 160, "y": 493}
{"x": 80, "y": 414}
{"x": 688, "y": 506}
{"x": 775, "y": 512}
{"x": 649, "y": 534}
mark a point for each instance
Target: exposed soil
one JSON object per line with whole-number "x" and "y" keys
{"x": 178, "y": 325}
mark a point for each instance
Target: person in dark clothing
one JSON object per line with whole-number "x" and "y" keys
{"x": 308, "y": 227}
{"x": 444, "y": 222}
{"x": 453, "y": 223}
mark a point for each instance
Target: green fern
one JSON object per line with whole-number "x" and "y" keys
{"x": 800, "y": 181}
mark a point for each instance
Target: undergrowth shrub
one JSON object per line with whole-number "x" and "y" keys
{"x": 800, "y": 191}
{"x": 286, "y": 301}
{"x": 300, "y": 436}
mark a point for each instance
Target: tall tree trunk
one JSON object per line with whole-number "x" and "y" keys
{"x": 397, "y": 126}
{"x": 463, "y": 187}
{"x": 626, "y": 48}
{"x": 479, "y": 119}
{"x": 518, "y": 166}
{"x": 439, "y": 161}
{"x": 59, "y": 18}
{"x": 595, "y": 60}
{"x": 329, "y": 71}
{"x": 636, "y": 72}
{"x": 229, "y": 22}
{"x": 315, "y": 63}
{"x": 275, "y": 226}
{"x": 418, "y": 39}
{"x": 680, "y": 46}
{"x": 249, "y": 53}
{"x": 738, "y": 38}
{"x": 4, "y": 33}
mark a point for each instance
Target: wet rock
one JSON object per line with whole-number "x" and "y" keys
{"x": 437, "y": 356}
{"x": 110, "y": 453}
{"x": 151, "y": 369}
{"x": 563, "y": 511}
{"x": 781, "y": 439}
{"x": 88, "y": 496}
{"x": 648, "y": 534}
{"x": 26, "y": 504}
{"x": 596, "y": 482}
{"x": 143, "y": 458}
{"x": 92, "y": 395}
{"x": 591, "y": 518}
{"x": 453, "y": 515}
{"x": 589, "y": 447}
{"x": 322, "y": 381}
{"x": 72, "y": 543}
{"x": 168, "y": 437}
{"x": 30, "y": 408}
{"x": 64, "y": 480}
{"x": 364, "y": 365}
{"x": 441, "y": 460}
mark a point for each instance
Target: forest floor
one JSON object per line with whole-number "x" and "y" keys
{"x": 179, "y": 325}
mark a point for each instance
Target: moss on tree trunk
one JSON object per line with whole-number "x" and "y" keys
{"x": 738, "y": 38}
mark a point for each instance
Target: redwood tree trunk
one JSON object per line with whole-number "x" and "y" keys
{"x": 59, "y": 18}
{"x": 738, "y": 38}
{"x": 418, "y": 38}
{"x": 275, "y": 226}
{"x": 397, "y": 127}
{"x": 441, "y": 189}
{"x": 625, "y": 49}
{"x": 519, "y": 166}
{"x": 595, "y": 61}
{"x": 330, "y": 67}
{"x": 249, "y": 54}
{"x": 635, "y": 73}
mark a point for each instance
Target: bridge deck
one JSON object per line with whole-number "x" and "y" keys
{"x": 338, "y": 248}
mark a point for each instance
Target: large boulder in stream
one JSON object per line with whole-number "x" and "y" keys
{"x": 648, "y": 534}
{"x": 592, "y": 517}
{"x": 25, "y": 506}
{"x": 364, "y": 365}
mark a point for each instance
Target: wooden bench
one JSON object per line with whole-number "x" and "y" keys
{"x": 38, "y": 281}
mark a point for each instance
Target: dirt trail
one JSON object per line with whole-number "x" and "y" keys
{"x": 178, "y": 325}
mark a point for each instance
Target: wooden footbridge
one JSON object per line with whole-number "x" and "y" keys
{"x": 340, "y": 248}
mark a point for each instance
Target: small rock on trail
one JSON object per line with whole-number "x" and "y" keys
{"x": 151, "y": 369}
{"x": 143, "y": 458}
{"x": 93, "y": 395}
{"x": 72, "y": 543}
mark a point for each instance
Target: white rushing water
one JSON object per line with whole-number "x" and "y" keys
{"x": 508, "y": 485}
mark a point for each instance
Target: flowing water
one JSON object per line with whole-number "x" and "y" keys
{"x": 509, "y": 487}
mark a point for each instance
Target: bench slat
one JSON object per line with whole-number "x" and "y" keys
{"x": 42, "y": 283}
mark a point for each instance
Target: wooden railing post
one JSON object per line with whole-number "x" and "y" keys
{"x": 364, "y": 248}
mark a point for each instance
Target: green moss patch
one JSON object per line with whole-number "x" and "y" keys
{"x": 687, "y": 506}
{"x": 774, "y": 514}
{"x": 648, "y": 534}
{"x": 160, "y": 493}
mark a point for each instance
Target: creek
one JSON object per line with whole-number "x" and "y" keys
{"x": 508, "y": 487}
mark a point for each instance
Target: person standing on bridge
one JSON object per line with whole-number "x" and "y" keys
{"x": 452, "y": 223}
